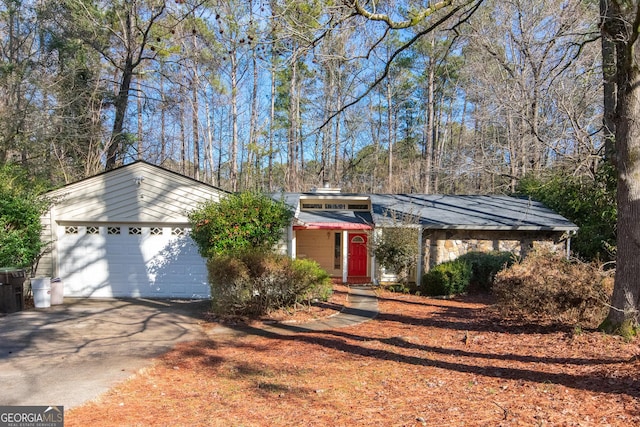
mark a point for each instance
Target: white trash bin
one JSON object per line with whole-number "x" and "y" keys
{"x": 41, "y": 287}
{"x": 57, "y": 291}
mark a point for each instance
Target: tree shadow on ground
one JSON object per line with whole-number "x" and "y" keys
{"x": 346, "y": 342}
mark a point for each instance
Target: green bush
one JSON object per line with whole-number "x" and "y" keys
{"x": 448, "y": 278}
{"x": 396, "y": 249}
{"x": 546, "y": 285}
{"x": 589, "y": 202}
{"x": 314, "y": 282}
{"x": 484, "y": 266}
{"x": 20, "y": 212}
{"x": 238, "y": 222}
{"x": 253, "y": 283}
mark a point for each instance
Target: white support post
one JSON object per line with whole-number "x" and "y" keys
{"x": 376, "y": 233}
{"x": 292, "y": 242}
{"x": 419, "y": 264}
{"x": 345, "y": 255}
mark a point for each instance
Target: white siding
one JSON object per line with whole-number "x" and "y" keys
{"x": 137, "y": 195}
{"x": 116, "y": 196}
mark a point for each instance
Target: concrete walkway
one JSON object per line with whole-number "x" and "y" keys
{"x": 363, "y": 306}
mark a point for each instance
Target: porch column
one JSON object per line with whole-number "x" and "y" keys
{"x": 292, "y": 244}
{"x": 419, "y": 265}
{"x": 345, "y": 255}
{"x": 375, "y": 234}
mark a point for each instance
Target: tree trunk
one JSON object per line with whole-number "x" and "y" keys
{"x": 626, "y": 296}
{"x": 272, "y": 120}
{"x": 116, "y": 144}
{"x": 293, "y": 125}
{"x": 234, "y": 122}
{"x": 139, "y": 105}
{"x": 428, "y": 150}
{"x": 208, "y": 152}
{"x": 183, "y": 141}
{"x": 609, "y": 87}
{"x": 195, "y": 126}
{"x": 625, "y": 302}
{"x": 390, "y": 137}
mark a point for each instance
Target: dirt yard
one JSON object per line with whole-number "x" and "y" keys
{"x": 422, "y": 361}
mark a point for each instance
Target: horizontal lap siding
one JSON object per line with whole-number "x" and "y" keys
{"x": 318, "y": 245}
{"x": 116, "y": 196}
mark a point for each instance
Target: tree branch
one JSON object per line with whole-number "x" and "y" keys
{"x": 399, "y": 25}
{"x": 407, "y": 45}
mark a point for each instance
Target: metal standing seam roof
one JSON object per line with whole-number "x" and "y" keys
{"x": 432, "y": 211}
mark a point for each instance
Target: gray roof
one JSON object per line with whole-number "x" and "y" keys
{"x": 469, "y": 212}
{"x": 441, "y": 212}
{"x": 335, "y": 217}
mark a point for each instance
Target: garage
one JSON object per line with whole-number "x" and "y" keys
{"x": 125, "y": 233}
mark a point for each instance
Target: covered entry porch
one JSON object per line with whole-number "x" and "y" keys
{"x": 340, "y": 249}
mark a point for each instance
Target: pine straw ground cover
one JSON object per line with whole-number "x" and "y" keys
{"x": 422, "y": 361}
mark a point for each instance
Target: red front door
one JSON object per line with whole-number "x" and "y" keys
{"x": 357, "y": 255}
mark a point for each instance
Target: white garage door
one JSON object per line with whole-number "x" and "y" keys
{"x": 130, "y": 261}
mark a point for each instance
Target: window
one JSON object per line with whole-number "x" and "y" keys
{"x": 178, "y": 231}
{"x": 312, "y": 206}
{"x": 357, "y": 239}
{"x": 71, "y": 230}
{"x": 135, "y": 231}
{"x": 356, "y": 207}
{"x": 155, "y": 231}
{"x": 113, "y": 230}
{"x": 93, "y": 230}
{"x": 340, "y": 206}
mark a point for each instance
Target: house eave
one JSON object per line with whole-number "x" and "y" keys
{"x": 500, "y": 228}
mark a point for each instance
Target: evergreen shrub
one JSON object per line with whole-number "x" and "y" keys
{"x": 485, "y": 266}
{"x": 253, "y": 283}
{"x": 448, "y": 278}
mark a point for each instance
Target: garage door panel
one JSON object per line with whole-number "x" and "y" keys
{"x": 131, "y": 265}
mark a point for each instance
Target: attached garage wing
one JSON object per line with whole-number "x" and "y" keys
{"x": 130, "y": 260}
{"x": 124, "y": 233}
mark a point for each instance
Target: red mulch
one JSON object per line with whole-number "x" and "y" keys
{"x": 422, "y": 361}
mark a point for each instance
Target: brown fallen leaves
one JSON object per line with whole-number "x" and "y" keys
{"x": 420, "y": 362}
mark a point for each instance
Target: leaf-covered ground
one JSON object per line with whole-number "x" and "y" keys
{"x": 422, "y": 361}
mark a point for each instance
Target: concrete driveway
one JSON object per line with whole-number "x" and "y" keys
{"x": 71, "y": 353}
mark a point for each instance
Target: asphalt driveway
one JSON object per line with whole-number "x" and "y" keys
{"x": 69, "y": 354}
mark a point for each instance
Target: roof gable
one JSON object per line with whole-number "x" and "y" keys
{"x": 138, "y": 192}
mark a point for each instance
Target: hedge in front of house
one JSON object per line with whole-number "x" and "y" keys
{"x": 448, "y": 278}
{"x": 485, "y": 266}
{"x": 252, "y": 283}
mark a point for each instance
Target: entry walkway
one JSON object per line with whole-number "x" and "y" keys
{"x": 363, "y": 306}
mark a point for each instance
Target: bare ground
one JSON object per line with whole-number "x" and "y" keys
{"x": 422, "y": 361}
